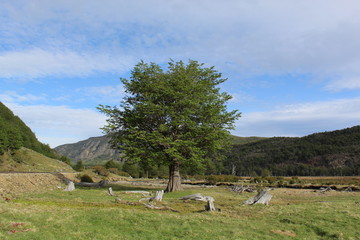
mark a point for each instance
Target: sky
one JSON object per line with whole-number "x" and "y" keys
{"x": 293, "y": 67}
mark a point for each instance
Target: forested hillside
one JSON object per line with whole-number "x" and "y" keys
{"x": 327, "y": 153}
{"x": 14, "y": 134}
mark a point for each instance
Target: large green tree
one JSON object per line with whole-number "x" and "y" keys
{"x": 176, "y": 117}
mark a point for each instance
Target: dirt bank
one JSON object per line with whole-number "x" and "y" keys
{"x": 12, "y": 184}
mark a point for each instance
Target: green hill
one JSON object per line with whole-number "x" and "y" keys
{"x": 17, "y": 139}
{"x": 245, "y": 140}
{"x": 27, "y": 160}
{"x": 327, "y": 153}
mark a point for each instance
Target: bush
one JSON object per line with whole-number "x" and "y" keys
{"x": 213, "y": 179}
{"x": 123, "y": 174}
{"x": 100, "y": 170}
{"x": 113, "y": 164}
{"x": 114, "y": 171}
{"x": 86, "y": 178}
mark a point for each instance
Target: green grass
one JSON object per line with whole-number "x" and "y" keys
{"x": 27, "y": 160}
{"x": 92, "y": 214}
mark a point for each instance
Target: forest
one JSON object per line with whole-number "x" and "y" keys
{"x": 319, "y": 154}
{"x": 14, "y": 134}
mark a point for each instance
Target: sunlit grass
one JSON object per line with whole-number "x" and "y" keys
{"x": 92, "y": 214}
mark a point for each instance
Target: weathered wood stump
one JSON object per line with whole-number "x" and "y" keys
{"x": 110, "y": 191}
{"x": 70, "y": 187}
{"x": 210, "y": 205}
{"x": 158, "y": 196}
{"x": 262, "y": 197}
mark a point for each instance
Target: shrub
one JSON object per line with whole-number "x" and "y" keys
{"x": 100, "y": 170}
{"x": 123, "y": 174}
{"x": 114, "y": 171}
{"x": 213, "y": 179}
{"x": 86, "y": 178}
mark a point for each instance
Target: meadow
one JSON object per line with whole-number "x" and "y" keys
{"x": 90, "y": 213}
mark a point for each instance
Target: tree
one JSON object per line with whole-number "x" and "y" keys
{"x": 176, "y": 117}
{"x": 79, "y": 166}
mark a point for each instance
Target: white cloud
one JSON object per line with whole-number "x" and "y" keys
{"x": 103, "y": 91}
{"x": 241, "y": 97}
{"x": 344, "y": 84}
{"x": 258, "y": 36}
{"x": 56, "y": 125}
{"x": 301, "y": 119}
{"x": 37, "y": 63}
{"x": 12, "y": 96}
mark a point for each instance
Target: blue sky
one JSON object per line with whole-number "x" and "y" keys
{"x": 293, "y": 67}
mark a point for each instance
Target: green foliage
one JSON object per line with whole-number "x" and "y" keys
{"x": 86, "y": 178}
{"x": 132, "y": 169}
{"x": 113, "y": 164}
{"x": 177, "y": 117}
{"x": 79, "y": 166}
{"x": 213, "y": 179}
{"x": 15, "y": 134}
{"x": 100, "y": 170}
{"x": 320, "y": 154}
{"x": 65, "y": 160}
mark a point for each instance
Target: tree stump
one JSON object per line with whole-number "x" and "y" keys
{"x": 70, "y": 187}
{"x": 158, "y": 196}
{"x": 210, "y": 205}
{"x": 262, "y": 197}
{"x": 110, "y": 191}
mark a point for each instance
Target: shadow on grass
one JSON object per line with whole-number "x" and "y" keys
{"x": 117, "y": 187}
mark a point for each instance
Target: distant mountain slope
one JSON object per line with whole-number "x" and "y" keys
{"x": 94, "y": 150}
{"x": 27, "y": 160}
{"x": 327, "y": 153}
{"x": 97, "y": 150}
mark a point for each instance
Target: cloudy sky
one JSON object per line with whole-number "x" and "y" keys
{"x": 293, "y": 67}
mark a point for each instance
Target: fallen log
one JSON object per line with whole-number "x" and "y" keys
{"x": 102, "y": 183}
{"x": 151, "y": 206}
{"x": 241, "y": 188}
{"x": 262, "y": 197}
{"x": 144, "y": 193}
{"x": 198, "y": 197}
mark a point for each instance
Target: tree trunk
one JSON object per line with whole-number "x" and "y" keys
{"x": 174, "y": 183}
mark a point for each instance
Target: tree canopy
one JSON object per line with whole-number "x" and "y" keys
{"x": 14, "y": 134}
{"x": 176, "y": 117}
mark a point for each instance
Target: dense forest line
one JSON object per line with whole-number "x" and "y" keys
{"x": 14, "y": 134}
{"x": 327, "y": 153}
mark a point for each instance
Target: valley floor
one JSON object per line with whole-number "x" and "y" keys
{"x": 90, "y": 213}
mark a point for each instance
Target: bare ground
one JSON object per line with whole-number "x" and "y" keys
{"x": 12, "y": 184}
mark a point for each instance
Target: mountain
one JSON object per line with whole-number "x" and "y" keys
{"x": 95, "y": 150}
{"x": 20, "y": 150}
{"x": 326, "y": 153}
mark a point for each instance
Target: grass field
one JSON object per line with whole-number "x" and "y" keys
{"x": 92, "y": 214}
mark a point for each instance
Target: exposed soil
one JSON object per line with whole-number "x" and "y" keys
{"x": 12, "y": 184}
